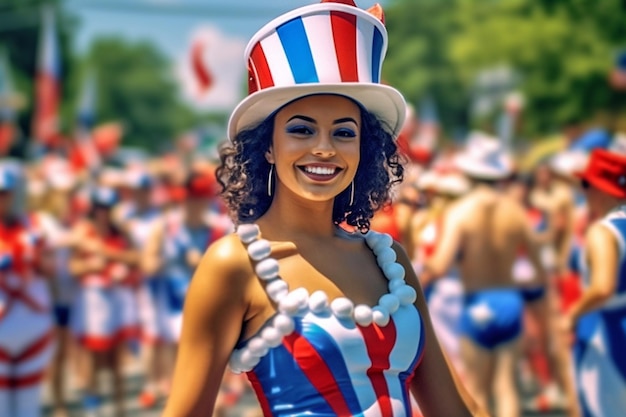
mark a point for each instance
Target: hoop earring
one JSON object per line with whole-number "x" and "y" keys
{"x": 351, "y": 192}
{"x": 269, "y": 181}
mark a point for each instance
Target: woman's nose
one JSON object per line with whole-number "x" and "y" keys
{"x": 324, "y": 147}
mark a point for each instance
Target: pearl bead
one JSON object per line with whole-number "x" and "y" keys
{"x": 390, "y": 302}
{"x": 272, "y": 336}
{"x": 342, "y": 307}
{"x": 267, "y": 269}
{"x": 386, "y": 256}
{"x": 318, "y": 302}
{"x": 395, "y": 283}
{"x": 393, "y": 271}
{"x": 258, "y": 347}
{"x": 406, "y": 294}
{"x": 259, "y": 249}
{"x": 248, "y": 232}
{"x": 248, "y": 360}
{"x": 234, "y": 361}
{"x": 363, "y": 315}
{"x": 277, "y": 290}
{"x": 384, "y": 241}
{"x": 289, "y": 304}
{"x": 284, "y": 324}
{"x": 372, "y": 238}
{"x": 301, "y": 295}
{"x": 380, "y": 316}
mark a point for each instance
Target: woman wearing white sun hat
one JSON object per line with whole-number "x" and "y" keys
{"x": 324, "y": 317}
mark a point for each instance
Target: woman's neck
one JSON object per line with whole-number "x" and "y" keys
{"x": 288, "y": 219}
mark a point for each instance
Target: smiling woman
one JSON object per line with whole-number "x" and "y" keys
{"x": 245, "y": 176}
{"x": 325, "y": 317}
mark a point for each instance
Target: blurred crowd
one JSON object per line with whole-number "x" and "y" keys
{"x": 95, "y": 264}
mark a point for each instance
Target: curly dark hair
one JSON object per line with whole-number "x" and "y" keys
{"x": 243, "y": 174}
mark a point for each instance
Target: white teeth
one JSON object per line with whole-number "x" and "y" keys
{"x": 320, "y": 170}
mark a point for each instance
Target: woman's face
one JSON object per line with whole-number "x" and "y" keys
{"x": 316, "y": 146}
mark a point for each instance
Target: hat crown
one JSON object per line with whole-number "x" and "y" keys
{"x": 327, "y": 43}
{"x": 607, "y": 172}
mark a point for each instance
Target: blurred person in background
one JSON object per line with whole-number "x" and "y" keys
{"x": 26, "y": 319}
{"x": 485, "y": 230}
{"x": 52, "y": 206}
{"x": 444, "y": 296}
{"x": 138, "y": 216}
{"x": 542, "y": 373}
{"x": 595, "y": 322}
{"x": 105, "y": 314}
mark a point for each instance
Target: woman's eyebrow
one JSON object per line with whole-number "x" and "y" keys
{"x": 305, "y": 118}
{"x": 345, "y": 119}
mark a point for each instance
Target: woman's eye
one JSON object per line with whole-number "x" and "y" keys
{"x": 345, "y": 133}
{"x": 300, "y": 130}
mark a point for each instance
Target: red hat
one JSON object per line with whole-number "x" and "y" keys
{"x": 202, "y": 186}
{"x": 606, "y": 171}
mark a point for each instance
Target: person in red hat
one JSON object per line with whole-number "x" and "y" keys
{"x": 597, "y": 318}
{"x": 324, "y": 316}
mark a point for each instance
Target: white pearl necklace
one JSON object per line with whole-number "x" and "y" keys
{"x": 298, "y": 301}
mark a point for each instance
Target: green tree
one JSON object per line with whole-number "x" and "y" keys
{"x": 561, "y": 50}
{"x": 135, "y": 85}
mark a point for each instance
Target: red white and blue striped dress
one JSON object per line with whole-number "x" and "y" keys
{"x": 321, "y": 358}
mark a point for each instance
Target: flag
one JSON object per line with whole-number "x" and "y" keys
{"x": 84, "y": 154}
{"x": 210, "y": 70}
{"x": 8, "y": 105}
{"x": 47, "y": 83}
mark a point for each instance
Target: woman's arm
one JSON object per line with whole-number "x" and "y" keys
{"x": 149, "y": 256}
{"x": 435, "y": 385}
{"x": 603, "y": 255}
{"x": 212, "y": 321}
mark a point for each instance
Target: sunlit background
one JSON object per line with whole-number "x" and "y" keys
{"x": 109, "y": 80}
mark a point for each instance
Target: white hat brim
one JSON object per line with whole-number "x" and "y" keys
{"x": 474, "y": 168}
{"x": 384, "y": 101}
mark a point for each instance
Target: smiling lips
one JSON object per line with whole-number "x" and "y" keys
{"x": 320, "y": 172}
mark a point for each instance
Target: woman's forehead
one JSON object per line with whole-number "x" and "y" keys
{"x": 322, "y": 106}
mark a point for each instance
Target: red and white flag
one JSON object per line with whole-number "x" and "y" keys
{"x": 47, "y": 83}
{"x": 211, "y": 70}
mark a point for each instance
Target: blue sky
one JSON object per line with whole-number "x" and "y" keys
{"x": 171, "y": 22}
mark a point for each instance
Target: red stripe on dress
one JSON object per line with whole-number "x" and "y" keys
{"x": 34, "y": 348}
{"x": 317, "y": 372}
{"x": 344, "y": 37}
{"x": 259, "y": 63}
{"x": 260, "y": 394}
{"x": 380, "y": 342}
{"x": 14, "y": 382}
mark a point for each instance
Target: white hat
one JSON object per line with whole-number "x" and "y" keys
{"x": 568, "y": 163}
{"x": 327, "y": 48}
{"x": 427, "y": 180}
{"x": 484, "y": 157}
{"x": 453, "y": 184}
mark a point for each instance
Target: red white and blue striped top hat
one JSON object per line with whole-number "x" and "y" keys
{"x": 328, "y": 48}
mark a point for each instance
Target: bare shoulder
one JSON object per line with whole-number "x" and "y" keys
{"x": 460, "y": 210}
{"x": 226, "y": 257}
{"x": 598, "y": 235}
